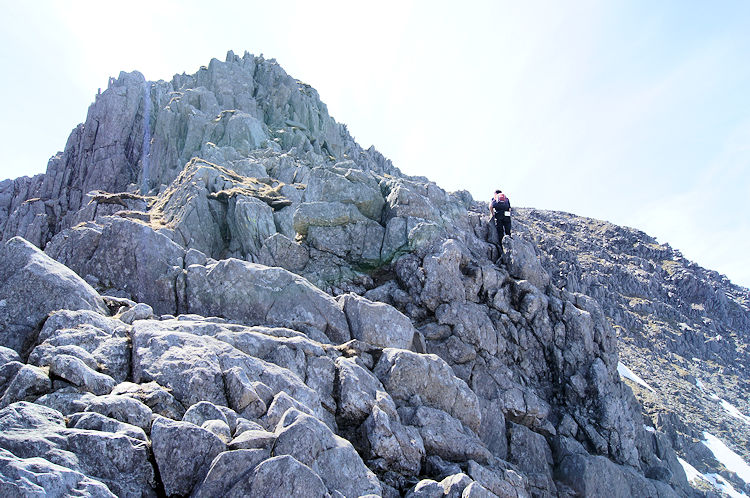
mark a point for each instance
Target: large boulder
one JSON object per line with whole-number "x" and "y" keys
{"x": 428, "y": 378}
{"x": 123, "y": 408}
{"x": 348, "y": 186}
{"x": 280, "y": 250}
{"x": 20, "y": 382}
{"x": 202, "y": 368}
{"x": 596, "y": 475}
{"x": 471, "y": 326}
{"x": 391, "y": 445}
{"x": 333, "y": 458}
{"x": 376, "y": 323}
{"x": 7, "y": 355}
{"x": 250, "y": 223}
{"x": 533, "y": 456}
{"x": 31, "y": 286}
{"x": 359, "y": 242}
{"x": 227, "y": 469}
{"x": 258, "y": 295}
{"x": 75, "y": 371}
{"x": 154, "y": 396}
{"x": 187, "y": 365}
{"x": 299, "y": 480}
{"x": 116, "y": 459}
{"x": 443, "y": 282}
{"x": 411, "y": 199}
{"x": 359, "y": 392}
{"x": 102, "y": 343}
{"x": 186, "y": 207}
{"x": 325, "y": 214}
{"x": 39, "y": 477}
{"x": 524, "y": 263}
{"x": 183, "y": 453}
{"x": 124, "y": 255}
{"x": 98, "y": 422}
{"x": 444, "y": 435}
{"x": 119, "y": 461}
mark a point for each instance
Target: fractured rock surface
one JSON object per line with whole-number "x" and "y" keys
{"x": 253, "y": 305}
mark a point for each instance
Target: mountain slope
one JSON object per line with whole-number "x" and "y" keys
{"x": 264, "y": 298}
{"x": 683, "y": 329}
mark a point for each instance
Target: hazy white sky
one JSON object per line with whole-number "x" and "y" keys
{"x": 636, "y": 112}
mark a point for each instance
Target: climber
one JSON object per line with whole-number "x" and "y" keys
{"x": 500, "y": 213}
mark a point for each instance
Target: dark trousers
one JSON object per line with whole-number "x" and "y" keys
{"x": 502, "y": 223}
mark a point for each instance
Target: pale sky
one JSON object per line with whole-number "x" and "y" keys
{"x": 635, "y": 112}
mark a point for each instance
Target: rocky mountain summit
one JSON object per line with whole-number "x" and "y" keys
{"x": 214, "y": 291}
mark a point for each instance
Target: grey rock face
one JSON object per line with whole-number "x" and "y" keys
{"x": 426, "y": 488}
{"x": 662, "y": 305}
{"x": 7, "y": 355}
{"x": 405, "y": 375}
{"x": 359, "y": 391}
{"x": 299, "y": 480}
{"x": 256, "y": 294}
{"x": 122, "y": 408}
{"x": 117, "y": 460}
{"x": 501, "y": 482}
{"x": 202, "y": 412}
{"x": 114, "y": 459}
{"x": 454, "y": 486}
{"x": 179, "y": 371}
{"x": 348, "y": 186}
{"x": 150, "y": 130}
{"x": 34, "y": 476}
{"x": 67, "y": 400}
{"x": 376, "y": 323}
{"x": 75, "y": 371}
{"x": 280, "y": 250}
{"x": 525, "y": 265}
{"x": 97, "y": 204}
{"x": 24, "y": 382}
{"x": 476, "y": 490}
{"x": 400, "y": 448}
{"x": 595, "y": 475}
{"x": 241, "y": 394}
{"x": 444, "y": 435}
{"x": 32, "y": 286}
{"x": 531, "y": 453}
{"x": 443, "y": 283}
{"x": 219, "y": 211}
{"x": 98, "y": 422}
{"x": 333, "y": 458}
{"x": 170, "y": 359}
{"x": 124, "y": 255}
{"x": 356, "y": 241}
{"x": 183, "y": 453}
{"x": 227, "y": 469}
{"x": 140, "y": 311}
{"x": 387, "y": 343}
{"x": 253, "y": 439}
{"x": 325, "y": 214}
{"x": 279, "y": 406}
{"x": 101, "y": 343}
{"x": 154, "y": 396}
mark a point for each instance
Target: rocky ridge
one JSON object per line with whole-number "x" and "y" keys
{"x": 231, "y": 290}
{"x": 682, "y": 328}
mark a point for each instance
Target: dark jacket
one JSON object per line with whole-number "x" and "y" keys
{"x": 500, "y": 206}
